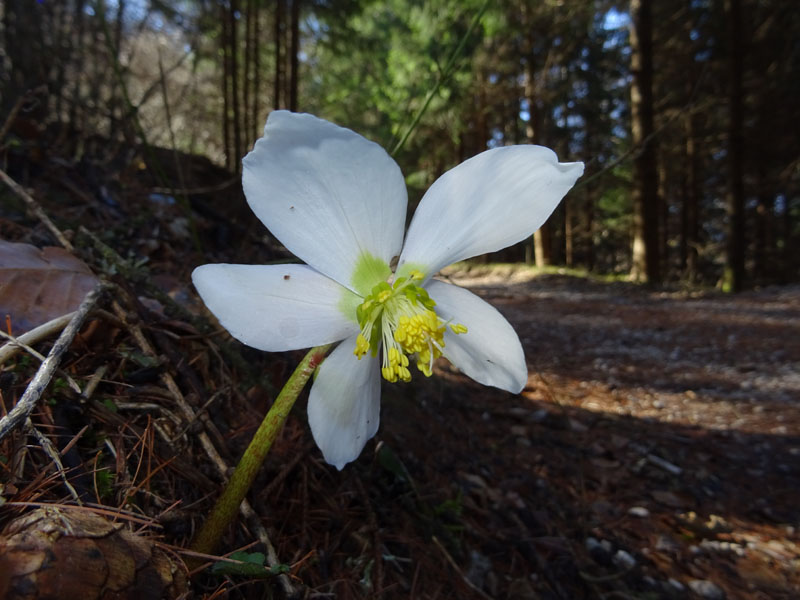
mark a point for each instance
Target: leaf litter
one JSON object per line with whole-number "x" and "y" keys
{"x": 653, "y": 453}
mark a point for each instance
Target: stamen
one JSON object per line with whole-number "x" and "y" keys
{"x": 400, "y": 319}
{"x": 458, "y": 328}
{"x": 362, "y": 345}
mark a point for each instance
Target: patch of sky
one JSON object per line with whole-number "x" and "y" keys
{"x": 580, "y": 89}
{"x": 497, "y": 139}
{"x": 615, "y": 19}
{"x": 702, "y": 56}
{"x": 575, "y": 121}
{"x": 525, "y": 109}
{"x": 142, "y": 11}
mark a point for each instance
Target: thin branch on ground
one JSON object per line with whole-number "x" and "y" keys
{"x": 40, "y": 381}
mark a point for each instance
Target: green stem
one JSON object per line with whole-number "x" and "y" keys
{"x": 228, "y": 503}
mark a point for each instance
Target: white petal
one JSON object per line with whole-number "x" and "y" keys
{"x": 486, "y": 203}
{"x": 276, "y": 307}
{"x": 328, "y": 194}
{"x": 490, "y": 351}
{"x": 344, "y": 404}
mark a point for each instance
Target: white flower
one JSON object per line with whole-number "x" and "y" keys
{"x": 338, "y": 202}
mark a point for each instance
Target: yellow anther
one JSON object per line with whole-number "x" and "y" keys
{"x": 425, "y": 367}
{"x": 362, "y": 345}
{"x": 399, "y": 319}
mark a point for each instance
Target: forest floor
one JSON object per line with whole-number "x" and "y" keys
{"x": 654, "y": 453}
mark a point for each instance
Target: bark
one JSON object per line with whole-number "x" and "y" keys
{"x": 569, "y": 234}
{"x": 278, "y": 82}
{"x": 226, "y": 129}
{"x": 645, "y": 263}
{"x": 663, "y": 216}
{"x": 235, "y": 91}
{"x": 80, "y": 53}
{"x": 542, "y": 251}
{"x": 790, "y": 260}
{"x": 691, "y": 189}
{"x": 733, "y": 278}
{"x": 295, "y": 59}
{"x": 588, "y": 211}
{"x": 247, "y": 125}
{"x": 255, "y": 117}
{"x": 764, "y": 242}
{"x": 64, "y": 40}
{"x": 23, "y": 23}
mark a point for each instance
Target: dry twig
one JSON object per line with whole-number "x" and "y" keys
{"x": 33, "y": 336}
{"x": 53, "y": 454}
{"x": 40, "y": 381}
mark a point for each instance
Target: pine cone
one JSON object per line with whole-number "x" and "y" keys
{"x": 70, "y": 554}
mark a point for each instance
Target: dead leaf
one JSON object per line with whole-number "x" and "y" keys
{"x": 37, "y": 286}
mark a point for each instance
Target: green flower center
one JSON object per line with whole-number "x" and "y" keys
{"x": 400, "y": 315}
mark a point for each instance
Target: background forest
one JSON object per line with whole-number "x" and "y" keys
{"x": 683, "y": 110}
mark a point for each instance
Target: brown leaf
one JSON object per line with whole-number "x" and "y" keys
{"x": 39, "y": 285}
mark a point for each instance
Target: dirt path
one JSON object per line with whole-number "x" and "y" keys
{"x": 655, "y": 450}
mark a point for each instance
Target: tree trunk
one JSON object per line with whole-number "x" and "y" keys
{"x": 278, "y": 87}
{"x": 255, "y": 117}
{"x": 569, "y": 233}
{"x": 25, "y": 50}
{"x": 645, "y": 263}
{"x": 295, "y": 59}
{"x": 247, "y": 87}
{"x": 663, "y": 217}
{"x": 542, "y": 254}
{"x": 764, "y": 243}
{"x": 790, "y": 260}
{"x": 733, "y": 277}
{"x": 80, "y": 53}
{"x": 235, "y": 91}
{"x": 690, "y": 207}
{"x": 226, "y": 119}
{"x": 589, "y": 227}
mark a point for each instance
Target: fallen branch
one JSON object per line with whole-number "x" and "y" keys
{"x": 47, "y": 369}
{"x": 33, "y": 336}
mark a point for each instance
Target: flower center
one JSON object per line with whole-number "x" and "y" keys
{"x": 401, "y": 316}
